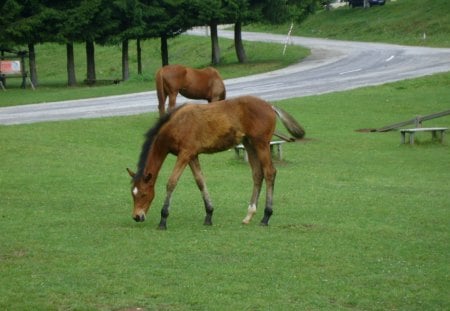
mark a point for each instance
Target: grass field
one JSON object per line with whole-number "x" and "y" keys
{"x": 360, "y": 222}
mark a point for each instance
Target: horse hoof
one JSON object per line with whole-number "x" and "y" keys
{"x": 162, "y": 227}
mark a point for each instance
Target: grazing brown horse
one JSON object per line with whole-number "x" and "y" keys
{"x": 198, "y": 128}
{"x": 192, "y": 83}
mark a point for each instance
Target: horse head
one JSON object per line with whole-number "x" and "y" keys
{"x": 143, "y": 192}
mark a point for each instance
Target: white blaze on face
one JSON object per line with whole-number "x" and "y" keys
{"x": 135, "y": 190}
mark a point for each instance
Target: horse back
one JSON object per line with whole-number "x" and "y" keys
{"x": 173, "y": 77}
{"x": 200, "y": 128}
{"x": 203, "y": 83}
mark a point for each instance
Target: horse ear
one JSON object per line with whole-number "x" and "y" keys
{"x": 131, "y": 173}
{"x": 148, "y": 177}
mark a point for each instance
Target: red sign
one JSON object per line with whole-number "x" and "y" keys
{"x": 10, "y": 66}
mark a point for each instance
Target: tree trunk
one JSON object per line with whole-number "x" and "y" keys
{"x": 238, "y": 45}
{"x": 215, "y": 49}
{"x": 90, "y": 62}
{"x": 164, "y": 50}
{"x": 125, "y": 68}
{"x": 71, "y": 77}
{"x": 32, "y": 64}
{"x": 139, "y": 56}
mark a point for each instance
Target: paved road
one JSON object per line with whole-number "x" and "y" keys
{"x": 332, "y": 66}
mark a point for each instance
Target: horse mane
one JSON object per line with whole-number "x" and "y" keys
{"x": 147, "y": 145}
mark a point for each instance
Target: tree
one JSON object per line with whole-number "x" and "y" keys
{"x": 27, "y": 22}
{"x": 177, "y": 17}
{"x": 68, "y": 34}
{"x": 129, "y": 16}
{"x": 299, "y": 10}
{"x": 242, "y": 12}
{"x": 212, "y": 13}
{"x": 11, "y": 11}
{"x": 89, "y": 21}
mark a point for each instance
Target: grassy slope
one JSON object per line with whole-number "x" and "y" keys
{"x": 400, "y": 22}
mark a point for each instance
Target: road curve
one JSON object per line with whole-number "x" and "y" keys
{"x": 333, "y": 66}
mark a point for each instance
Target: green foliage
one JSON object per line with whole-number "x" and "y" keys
{"x": 188, "y": 50}
{"x": 25, "y": 22}
{"x": 360, "y": 221}
{"x": 411, "y": 22}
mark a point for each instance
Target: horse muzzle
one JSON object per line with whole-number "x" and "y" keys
{"x": 139, "y": 217}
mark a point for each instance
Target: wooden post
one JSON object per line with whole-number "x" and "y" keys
{"x": 22, "y": 69}
{"x": 418, "y": 121}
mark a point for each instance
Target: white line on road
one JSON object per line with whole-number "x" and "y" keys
{"x": 390, "y": 58}
{"x": 350, "y": 71}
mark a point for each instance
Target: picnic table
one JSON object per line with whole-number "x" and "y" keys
{"x": 412, "y": 131}
{"x": 277, "y": 144}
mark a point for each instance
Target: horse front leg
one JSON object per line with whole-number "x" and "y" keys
{"x": 180, "y": 165}
{"x": 198, "y": 176}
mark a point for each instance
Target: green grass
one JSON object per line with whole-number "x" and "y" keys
{"x": 399, "y": 22}
{"x": 360, "y": 222}
{"x": 188, "y": 50}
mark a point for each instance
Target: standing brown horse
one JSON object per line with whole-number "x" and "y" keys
{"x": 197, "y": 128}
{"x": 192, "y": 83}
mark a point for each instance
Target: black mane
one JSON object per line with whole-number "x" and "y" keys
{"x": 150, "y": 137}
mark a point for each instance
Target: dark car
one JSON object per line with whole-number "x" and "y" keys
{"x": 355, "y": 3}
{"x": 377, "y": 2}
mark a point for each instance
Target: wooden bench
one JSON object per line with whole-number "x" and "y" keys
{"x": 434, "y": 132}
{"x": 273, "y": 145}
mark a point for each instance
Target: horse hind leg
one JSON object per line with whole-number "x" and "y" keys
{"x": 257, "y": 175}
{"x": 162, "y": 97}
{"x": 269, "y": 177}
{"x": 267, "y": 172}
{"x": 172, "y": 101}
{"x": 198, "y": 176}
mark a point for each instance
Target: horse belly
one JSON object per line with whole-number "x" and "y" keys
{"x": 194, "y": 93}
{"x": 223, "y": 140}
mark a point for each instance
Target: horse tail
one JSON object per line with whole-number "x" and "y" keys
{"x": 218, "y": 89}
{"x": 223, "y": 94}
{"x": 293, "y": 127}
{"x": 160, "y": 90}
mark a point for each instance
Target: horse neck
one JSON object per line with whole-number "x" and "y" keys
{"x": 155, "y": 160}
